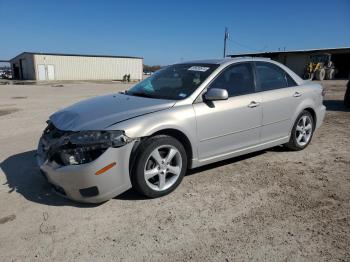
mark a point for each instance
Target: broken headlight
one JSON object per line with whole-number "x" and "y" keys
{"x": 86, "y": 146}
{"x": 107, "y": 138}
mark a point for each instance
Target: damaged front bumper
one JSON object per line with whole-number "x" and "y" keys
{"x": 80, "y": 182}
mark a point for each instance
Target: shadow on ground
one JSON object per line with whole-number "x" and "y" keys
{"x": 24, "y": 177}
{"x": 133, "y": 195}
{"x": 223, "y": 163}
{"x": 335, "y": 105}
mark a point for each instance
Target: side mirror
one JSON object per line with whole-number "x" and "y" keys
{"x": 216, "y": 94}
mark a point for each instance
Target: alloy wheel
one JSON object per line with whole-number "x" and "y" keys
{"x": 163, "y": 167}
{"x": 303, "y": 130}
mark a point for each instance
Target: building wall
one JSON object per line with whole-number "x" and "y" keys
{"x": 297, "y": 62}
{"x": 27, "y": 70}
{"x": 90, "y": 68}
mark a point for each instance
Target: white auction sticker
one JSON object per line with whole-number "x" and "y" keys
{"x": 198, "y": 68}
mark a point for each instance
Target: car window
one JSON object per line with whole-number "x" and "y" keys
{"x": 174, "y": 82}
{"x": 236, "y": 79}
{"x": 290, "y": 81}
{"x": 270, "y": 76}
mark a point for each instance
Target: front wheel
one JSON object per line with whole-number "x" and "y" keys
{"x": 161, "y": 163}
{"x": 302, "y": 132}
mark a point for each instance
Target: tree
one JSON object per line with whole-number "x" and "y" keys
{"x": 148, "y": 68}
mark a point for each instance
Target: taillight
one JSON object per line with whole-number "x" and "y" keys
{"x": 323, "y": 92}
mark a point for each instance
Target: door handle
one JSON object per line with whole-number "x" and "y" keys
{"x": 297, "y": 94}
{"x": 253, "y": 104}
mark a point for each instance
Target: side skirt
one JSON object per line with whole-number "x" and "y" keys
{"x": 239, "y": 152}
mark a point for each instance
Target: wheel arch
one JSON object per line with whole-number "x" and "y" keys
{"x": 183, "y": 139}
{"x": 308, "y": 105}
{"x": 313, "y": 114}
{"x": 175, "y": 133}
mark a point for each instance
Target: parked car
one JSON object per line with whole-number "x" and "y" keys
{"x": 184, "y": 116}
{"x": 5, "y": 74}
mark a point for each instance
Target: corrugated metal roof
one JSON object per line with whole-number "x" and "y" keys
{"x": 60, "y": 54}
{"x": 346, "y": 49}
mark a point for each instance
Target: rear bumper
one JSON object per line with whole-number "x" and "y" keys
{"x": 320, "y": 114}
{"x": 79, "y": 182}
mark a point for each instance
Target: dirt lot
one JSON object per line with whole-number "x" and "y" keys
{"x": 273, "y": 205}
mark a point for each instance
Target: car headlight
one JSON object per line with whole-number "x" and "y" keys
{"x": 86, "y": 146}
{"x": 107, "y": 138}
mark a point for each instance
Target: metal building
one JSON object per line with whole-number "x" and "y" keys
{"x": 51, "y": 66}
{"x": 297, "y": 60}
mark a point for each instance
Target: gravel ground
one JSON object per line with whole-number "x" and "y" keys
{"x": 272, "y": 205}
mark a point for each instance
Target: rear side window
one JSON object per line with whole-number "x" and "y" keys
{"x": 272, "y": 77}
{"x": 290, "y": 81}
{"x": 237, "y": 79}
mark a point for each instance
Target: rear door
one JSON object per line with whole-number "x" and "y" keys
{"x": 280, "y": 98}
{"x": 229, "y": 125}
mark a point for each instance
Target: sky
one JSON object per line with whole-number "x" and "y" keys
{"x": 165, "y": 32}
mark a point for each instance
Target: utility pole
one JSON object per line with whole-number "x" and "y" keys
{"x": 225, "y": 40}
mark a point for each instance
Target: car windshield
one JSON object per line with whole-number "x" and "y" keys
{"x": 173, "y": 82}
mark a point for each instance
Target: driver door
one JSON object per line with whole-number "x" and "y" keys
{"x": 226, "y": 126}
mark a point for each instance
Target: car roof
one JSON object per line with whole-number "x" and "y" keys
{"x": 223, "y": 62}
{"x": 227, "y": 60}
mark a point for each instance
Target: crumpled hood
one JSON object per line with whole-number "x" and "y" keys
{"x": 100, "y": 112}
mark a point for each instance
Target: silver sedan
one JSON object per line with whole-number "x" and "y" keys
{"x": 183, "y": 116}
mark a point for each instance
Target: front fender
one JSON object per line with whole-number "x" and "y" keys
{"x": 181, "y": 118}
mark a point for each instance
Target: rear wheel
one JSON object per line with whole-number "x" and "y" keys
{"x": 302, "y": 132}
{"x": 320, "y": 74}
{"x": 160, "y": 167}
{"x": 330, "y": 74}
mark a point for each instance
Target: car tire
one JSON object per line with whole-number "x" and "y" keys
{"x": 302, "y": 131}
{"x": 330, "y": 74}
{"x": 160, "y": 165}
{"x": 320, "y": 74}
